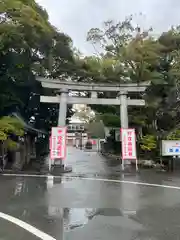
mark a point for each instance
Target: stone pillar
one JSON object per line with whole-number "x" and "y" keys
{"x": 63, "y": 107}
{"x": 62, "y": 118}
{"x": 124, "y": 116}
{"x": 123, "y": 109}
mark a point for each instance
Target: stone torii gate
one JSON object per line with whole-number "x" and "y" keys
{"x": 63, "y": 98}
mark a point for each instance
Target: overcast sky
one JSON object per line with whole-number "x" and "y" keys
{"x": 76, "y": 17}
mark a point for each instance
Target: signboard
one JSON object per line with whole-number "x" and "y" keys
{"x": 170, "y": 148}
{"x": 58, "y": 142}
{"x": 128, "y": 139}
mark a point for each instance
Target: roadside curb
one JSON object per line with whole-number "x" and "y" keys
{"x": 66, "y": 170}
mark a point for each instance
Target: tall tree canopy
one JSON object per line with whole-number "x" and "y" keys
{"x": 30, "y": 46}
{"x": 126, "y": 53}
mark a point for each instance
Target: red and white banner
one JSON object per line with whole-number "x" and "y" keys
{"x": 128, "y": 140}
{"x": 58, "y": 142}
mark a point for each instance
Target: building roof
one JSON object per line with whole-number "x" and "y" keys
{"x": 27, "y": 126}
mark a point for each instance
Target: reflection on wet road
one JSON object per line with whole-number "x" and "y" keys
{"x": 74, "y": 208}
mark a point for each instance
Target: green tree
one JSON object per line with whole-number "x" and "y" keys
{"x": 128, "y": 55}
{"x": 29, "y": 46}
{"x": 148, "y": 143}
{"x": 133, "y": 55}
{"x": 8, "y": 126}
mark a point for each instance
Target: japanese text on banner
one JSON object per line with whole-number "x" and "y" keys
{"x": 58, "y": 143}
{"x": 128, "y": 144}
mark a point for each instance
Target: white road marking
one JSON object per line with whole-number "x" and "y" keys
{"x": 95, "y": 179}
{"x": 26, "y": 227}
{"x": 132, "y": 182}
{"x": 25, "y": 175}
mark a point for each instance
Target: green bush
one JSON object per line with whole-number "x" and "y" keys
{"x": 10, "y": 125}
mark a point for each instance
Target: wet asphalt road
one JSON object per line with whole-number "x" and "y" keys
{"x": 71, "y": 208}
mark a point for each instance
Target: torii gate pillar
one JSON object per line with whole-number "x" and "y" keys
{"x": 63, "y": 103}
{"x": 63, "y": 98}
{"x": 123, "y": 109}
{"x": 123, "y": 96}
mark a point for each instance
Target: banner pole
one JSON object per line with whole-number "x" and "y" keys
{"x": 50, "y": 164}
{"x": 50, "y": 147}
{"x": 136, "y": 165}
{"x": 122, "y": 164}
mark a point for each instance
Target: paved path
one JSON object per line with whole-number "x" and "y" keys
{"x": 101, "y": 205}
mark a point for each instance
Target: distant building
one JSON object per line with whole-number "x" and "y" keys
{"x": 76, "y": 127}
{"x": 76, "y": 134}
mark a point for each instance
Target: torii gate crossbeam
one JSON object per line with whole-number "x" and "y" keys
{"x": 65, "y": 86}
{"x": 92, "y": 101}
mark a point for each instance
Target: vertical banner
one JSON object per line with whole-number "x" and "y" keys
{"x": 58, "y": 142}
{"x": 128, "y": 141}
{"x": 49, "y": 160}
